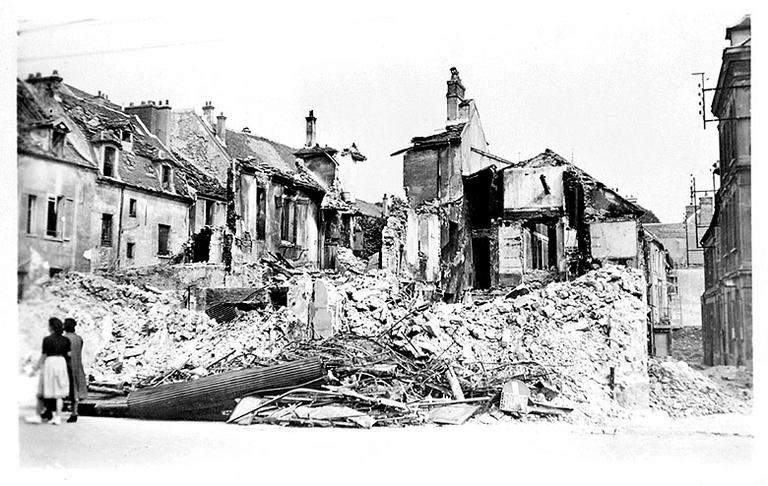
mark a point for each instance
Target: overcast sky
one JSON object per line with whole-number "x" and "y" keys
{"x": 610, "y": 87}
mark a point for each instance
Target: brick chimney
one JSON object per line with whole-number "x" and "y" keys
{"x": 46, "y": 84}
{"x": 706, "y": 210}
{"x": 454, "y": 96}
{"x": 221, "y": 127}
{"x": 208, "y": 113}
{"x": 155, "y": 116}
{"x": 385, "y": 206}
{"x": 311, "y": 130}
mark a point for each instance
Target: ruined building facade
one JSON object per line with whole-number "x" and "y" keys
{"x": 727, "y": 298}
{"x": 477, "y": 220}
{"x": 97, "y": 188}
{"x": 103, "y": 187}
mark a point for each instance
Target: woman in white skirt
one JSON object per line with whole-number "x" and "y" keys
{"x": 54, "y": 380}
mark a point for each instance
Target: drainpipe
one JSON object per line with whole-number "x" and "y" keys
{"x": 120, "y": 225}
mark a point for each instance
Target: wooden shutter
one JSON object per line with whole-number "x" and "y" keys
{"x": 68, "y": 220}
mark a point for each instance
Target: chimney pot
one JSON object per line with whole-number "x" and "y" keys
{"x": 55, "y": 72}
{"x": 38, "y": 75}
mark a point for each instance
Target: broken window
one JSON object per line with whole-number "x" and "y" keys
{"x": 125, "y": 135}
{"x": 261, "y": 213}
{"x": 209, "y": 209}
{"x": 132, "y": 208}
{"x": 31, "y": 208}
{"x": 57, "y": 141}
{"x": 52, "y": 224}
{"x": 129, "y": 250}
{"x": 106, "y": 229}
{"x": 110, "y": 155}
{"x": 163, "y": 234}
{"x": 166, "y": 177}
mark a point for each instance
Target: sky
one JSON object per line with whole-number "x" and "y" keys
{"x": 608, "y": 87}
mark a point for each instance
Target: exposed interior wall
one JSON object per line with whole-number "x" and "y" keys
{"x": 323, "y": 167}
{"x": 690, "y": 287}
{"x": 613, "y": 240}
{"x": 524, "y": 188}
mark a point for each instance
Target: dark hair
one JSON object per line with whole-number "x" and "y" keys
{"x": 69, "y": 324}
{"x": 56, "y": 326}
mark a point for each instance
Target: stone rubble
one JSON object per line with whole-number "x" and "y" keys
{"x": 584, "y": 339}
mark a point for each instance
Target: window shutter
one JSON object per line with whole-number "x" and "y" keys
{"x": 23, "y": 201}
{"x": 69, "y": 218}
{"x": 42, "y": 214}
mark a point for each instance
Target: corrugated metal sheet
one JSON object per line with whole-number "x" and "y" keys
{"x": 209, "y": 398}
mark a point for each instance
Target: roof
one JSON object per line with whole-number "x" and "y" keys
{"x": 673, "y": 236}
{"x": 193, "y": 141}
{"x": 451, "y": 132}
{"x": 35, "y": 111}
{"x": 99, "y": 120}
{"x": 316, "y": 150}
{"x": 744, "y": 24}
{"x": 269, "y": 157}
{"x": 368, "y": 209}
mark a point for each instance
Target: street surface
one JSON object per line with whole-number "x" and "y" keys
{"x": 700, "y": 450}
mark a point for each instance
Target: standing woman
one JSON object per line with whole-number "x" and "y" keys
{"x": 54, "y": 382}
{"x": 78, "y": 387}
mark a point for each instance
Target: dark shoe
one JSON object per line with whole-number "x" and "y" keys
{"x": 72, "y": 419}
{"x": 46, "y": 416}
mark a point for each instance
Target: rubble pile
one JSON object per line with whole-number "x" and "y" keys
{"x": 567, "y": 334}
{"x": 143, "y": 337}
{"x": 682, "y": 391}
{"x": 392, "y": 357}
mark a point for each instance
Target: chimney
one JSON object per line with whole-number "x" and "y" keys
{"x": 155, "y": 116}
{"x": 311, "y": 130}
{"x": 385, "y": 206}
{"x": 221, "y": 126}
{"x": 706, "y": 210}
{"x": 246, "y": 130}
{"x": 208, "y": 113}
{"x": 46, "y": 84}
{"x": 689, "y": 210}
{"x": 454, "y": 96}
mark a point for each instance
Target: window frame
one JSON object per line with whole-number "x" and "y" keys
{"x": 130, "y": 250}
{"x": 160, "y": 228}
{"x": 107, "y": 232}
{"x": 31, "y": 209}
{"x": 132, "y": 207}
{"x": 113, "y": 162}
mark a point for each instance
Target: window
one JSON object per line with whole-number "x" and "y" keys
{"x": 125, "y": 135}
{"x": 132, "y": 208}
{"x": 31, "y": 208}
{"x": 106, "y": 229}
{"x": 210, "y": 206}
{"x": 163, "y": 233}
{"x": 129, "y": 249}
{"x": 52, "y": 224}
{"x": 166, "y": 177}
{"x": 288, "y": 221}
{"x": 110, "y": 155}
{"x": 57, "y": 141}
{"x": 261, "y": 213}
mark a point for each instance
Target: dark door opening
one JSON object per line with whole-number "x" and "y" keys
{"x": 481, "y": 255}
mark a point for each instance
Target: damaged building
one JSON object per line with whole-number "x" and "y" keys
{"x": 296, "y": 203}
{"x": 98, "y": 186}
{"x": 476, "y": 220}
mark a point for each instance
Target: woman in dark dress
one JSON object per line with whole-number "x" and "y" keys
{"x": 78, "y": 387}
{"x": 54, "y": 380}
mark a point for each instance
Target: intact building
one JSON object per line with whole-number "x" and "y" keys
{"x": 727, "y": 298}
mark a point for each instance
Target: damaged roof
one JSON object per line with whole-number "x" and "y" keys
{"x": 270, "y": 158}
{"x": 34, "y": 111}
{"x": 369, "y": 209}
{"x": 100, "y": 120}
{"x": 451, "y": 132}
{"x": 549, "y": 158}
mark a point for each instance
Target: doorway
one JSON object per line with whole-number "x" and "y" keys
{"x": 481, "y": 256}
